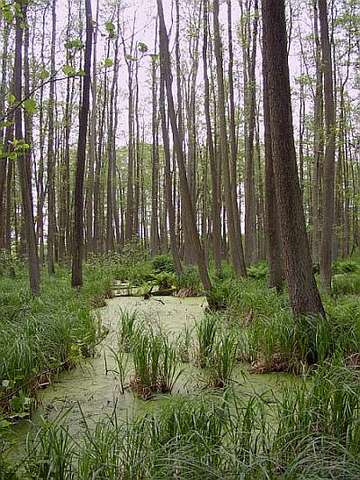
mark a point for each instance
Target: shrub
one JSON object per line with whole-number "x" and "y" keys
{"x": 163, "y": 263}
{"x": 346, "y": 266}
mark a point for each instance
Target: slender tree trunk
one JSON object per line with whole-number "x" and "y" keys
{"x": 154, "y": 230}
{"x": 51, "y": 154}
{"x": 233, "y": 145}
{"x": 329, "y": 161}
{"x": 22, "y": 158}
{"x": 234, "y": 252}
{"x": 215, "y": 201}
{"x": 250, "y": 198}
{"x": 78, "y": 235}
{"x": 165, "y": 67}
{"x": 168, "y": 191}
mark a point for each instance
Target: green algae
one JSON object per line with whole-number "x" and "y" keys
{"x": 89, "y": 392}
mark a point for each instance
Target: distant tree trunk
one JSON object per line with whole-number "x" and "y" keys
{"x": 3, "y": 161}
{"x": 22, "y": 158}
{"x": 250, "y": 111}
{"x": 329, "y": 161}
{"x": 233, "y": 244}
{"x": 215, "y": 201}
{"x": 90, "y": 243}
{"x": 78, "y": 235}
{"x": 303, "y": 292}
{"x": 129, "y": 217}
{"x": 168, "y": 191}
{"x": 165, "y": 67}
{"x": 318, "y": 143}
{"x": 154, "y": 230}
{"x": 51, "y": 153}
{"x": 233, "y": 145}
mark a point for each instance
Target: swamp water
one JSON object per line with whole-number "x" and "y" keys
{"x": 88, "y": 392}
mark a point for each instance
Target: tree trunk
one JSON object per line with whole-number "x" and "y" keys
{"x": 234, "y": 252}
{"x": 303, "y": 292}
{"x": 215, "y": 201}
{"x": 51, "y": 153}
{"x": 329, "y": 160}
{"x": 22, "y": 159}
{"x": 272, "y": 224}
{"x": 165, "y": 67}
{"x": 78, "y": 235}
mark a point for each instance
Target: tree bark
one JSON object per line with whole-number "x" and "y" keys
{"x": 234, "y": 251}
{"x": 23, "y": 168}
{"x": 78, "y": 235}
{"x": 165, "y": 68}
{"x": 303, "y": 292}
{"x": 329, "y": 160}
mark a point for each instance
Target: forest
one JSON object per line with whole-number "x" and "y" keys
{"x": 179, "y": 239}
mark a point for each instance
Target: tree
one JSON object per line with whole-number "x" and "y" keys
{"x": 303, "y": 292}
{"x": 329, "y": 160}
{"x": 272, "y": 224}
{"x": 23, "y": 159}
{"x": 78, "y": 233}
{"x": 51, "y": 154}
{"x": 235, "y": 252}
{"x": 165, "y": 72}
{"x": 215, "y": 201}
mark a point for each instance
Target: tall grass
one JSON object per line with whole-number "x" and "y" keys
{"x": 40, "y": 336}
{"x": 205, "y": 331}
{"x": 156, "y": 364}
{"x": 311, "y": 431}
{"x": 222, "y": 360}
{"x": 127, "y": 326}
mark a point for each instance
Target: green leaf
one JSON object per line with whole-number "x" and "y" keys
{"x": 43, "y": 74}
{"x": 30, "y": 106}
{"x": 74, "y": 43}
{"x": 69, "y": 71}
{"x": 11, "y": 99}
{"x": 110, "y": 28}
{"x": 142, "y": 47}
{"x": 108, "y": 62}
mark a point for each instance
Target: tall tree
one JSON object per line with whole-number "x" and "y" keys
{"x": 165, "y": 72}
{"x": 303, "y": 292}
{"x": 215, "y": 200}
{"x": 78, "y": 233}
{"x": 329, "y": 160}
{"x": 235, "y": 251}
{"x": 51, "y": 152}
{"x": 272, "y": 223}
{"x": 23, "y": 159}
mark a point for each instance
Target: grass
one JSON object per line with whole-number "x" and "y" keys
{"x": 206, "y": 331}
{"x": 222, "y": 361}
{"x": 127, "y": 327}
{"x": 53, "y": 332}
{"x": 311, "y": 432}
{"x": 307, "y": 430}
{"x": 156, "y": 365}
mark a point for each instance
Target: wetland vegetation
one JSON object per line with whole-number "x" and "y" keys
{"x": 179, "y": 240}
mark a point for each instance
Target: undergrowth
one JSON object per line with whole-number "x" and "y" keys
{"x": 43, "y": 335}
{"x": 310, "y": 432}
